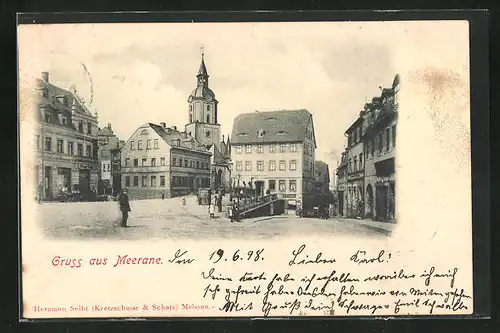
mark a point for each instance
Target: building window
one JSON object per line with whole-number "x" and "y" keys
{"x": 144, "y": 181}
{"x": 293, "y": 165}
{"x": 380, "y": 142}
{"x": 48, "y": 144}
{"x": 282, "y": 165}
{"x": 104, "y": 167}
{"x": 248, "y": 149}
{"x": 355, "y": 165}
{"x": 89, "y": 128}
{"x": 282, "y": 148}
{"x": 127, "y": 162}
{"x": 239, "y": 166}
{"x": 153, "y": 161}
{"x": 393, "y": 136}
{"x": 238, "y": 149}
{"x": 387, "y": 139}
{"x": 248, "y": 166}
{"x": 136, "y": 162}
{"x": 174, "y": 161}
{"x": 127, "y": 181}
{"x": 148, "y": 144}
{"x": 260, "y": 133}
{"x": 185, "y": 163}
{"x": 70, "y": 148}
{"x": 155, "y": 144}
{"x": 139, "y": 145}
{"x": 136, "y": 181}
{"x": 272, "y": 185}
{"x": 293, "y": 147}
{"x": 282, "y": 185}
{"x": 153, "y": 181}
{"x": 360, "y": 161}
{"x": 162, "y": 161}
{"x": 272, "y": 148}
{"x": 350, "y": 166}
{"x": 197, "y": 164}
{"x": 79, "y": 149}
{"x": 293, "y": 185}
{"x": 89, "y": 150}
{"x": 260, "y": 149}
{"x": 180, "y": 162}
{"x": 80, "y": 126}
{"x": 207, "y": 134}
{"x": 143, "y": 163}
{"x": 60, "y": 147}
{"x": 162, "y": 180}
{"x": 260, "y": 165}
{"x": 132, "y": 145}
{"x": 272, "y": 165}
{"x": 208, "y": 118}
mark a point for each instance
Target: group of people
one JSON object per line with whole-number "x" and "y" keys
{"x": 215, "y": 204}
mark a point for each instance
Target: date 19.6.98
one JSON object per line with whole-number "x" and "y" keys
{"x": 238, "y": 255}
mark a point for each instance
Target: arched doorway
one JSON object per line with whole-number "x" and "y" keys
{"x": 218, "y": 179}
{"x": 369, "y": 201}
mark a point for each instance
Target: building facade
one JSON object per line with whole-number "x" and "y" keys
{"x": 380, "y": 118}
{"x": 161, "y": 161}
{"x": 354, "y": 194}
{"x": 203, "y": 125}
{"x": 322, "y": 174}
{"x": 109, "y": 161}
{"x": 275, "y": 152}
{"x": 341, "y": 195}
{"x": 66, "y": 142}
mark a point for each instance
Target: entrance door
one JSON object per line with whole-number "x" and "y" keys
{"x": 369, "y": 201}
{"x": 341, "y": 203}
{"x": 259, "y": 188}
{"x": 381, "y": 202}
{"x": 84, "y": 181}
{"x": 48, "y": 182}
{"x": 218, "y": 179}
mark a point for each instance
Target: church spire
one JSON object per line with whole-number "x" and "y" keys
{"x": 202, "y": 72}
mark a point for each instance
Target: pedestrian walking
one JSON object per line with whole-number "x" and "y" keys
{"x": 213, "y": 205}
{"x": 40, "y": 193}
{"x": 162, "y": 195}
{"x": 124, "y": 207}
{"x": 219, "y": 201}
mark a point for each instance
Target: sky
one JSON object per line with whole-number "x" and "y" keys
{"x": 144, "y": 72}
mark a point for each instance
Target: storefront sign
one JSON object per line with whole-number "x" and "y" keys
{"x": 286, "y": 196}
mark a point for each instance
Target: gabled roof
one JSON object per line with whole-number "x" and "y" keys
{"x": 73, "y": 99}
{"x": 172, "y": 137}
{"x": 277, "y": 126}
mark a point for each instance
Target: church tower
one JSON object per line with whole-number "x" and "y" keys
{"x": 203, "y": 123}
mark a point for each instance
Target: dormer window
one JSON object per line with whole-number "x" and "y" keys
{"x": 144, "y": 132}
{"x": 242, "y": 134}
{"x": 260, "y": 133}
{"x": 270, "y": 118}
{"x": 281, "y": 132}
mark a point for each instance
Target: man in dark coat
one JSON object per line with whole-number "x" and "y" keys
{"x": 124, "y": 206}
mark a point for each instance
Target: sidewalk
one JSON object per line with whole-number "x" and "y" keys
{"x": 383, "y": 227}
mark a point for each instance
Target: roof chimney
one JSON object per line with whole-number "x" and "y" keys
{"x": 174, "y": 128}
{"x": 163, "y": 125}
{"x": 222, "y": 137}
{"x": 45, "y": 77}
{"x": 109, "y": 125}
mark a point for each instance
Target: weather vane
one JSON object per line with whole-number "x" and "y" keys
{"x": 202, "y": 49}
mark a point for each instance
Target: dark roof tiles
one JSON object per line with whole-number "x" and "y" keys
{"x": 271, "y": 126}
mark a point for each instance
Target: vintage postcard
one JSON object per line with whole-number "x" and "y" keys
{"x": 245, "y": 169}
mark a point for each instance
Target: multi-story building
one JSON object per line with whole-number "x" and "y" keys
{"x": 322, "y": 174}
{"x": 380, "y": 119}
{"x": 159, "y": 160}
{"x": 354, "y": 194}
{"x": 204, "y": 127}
{"x": 66, "y": 142}
{"x": 109, "y": 161}
{"x": 275, "y": 151}
{"x": 342, "y": 185}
